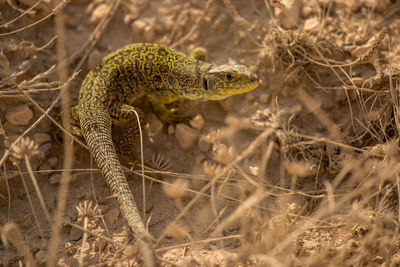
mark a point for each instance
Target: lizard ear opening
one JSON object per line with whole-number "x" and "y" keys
{"x": 205, "y": 84}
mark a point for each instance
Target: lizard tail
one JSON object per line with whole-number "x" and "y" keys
{"x": 96, "y": 126}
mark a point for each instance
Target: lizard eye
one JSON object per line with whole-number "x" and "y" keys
{"x": 229, "y": 77}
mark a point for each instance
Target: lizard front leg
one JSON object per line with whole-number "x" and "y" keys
{"x": 168, "y": 115}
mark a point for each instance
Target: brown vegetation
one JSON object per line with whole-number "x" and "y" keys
{"x": 303, "y": 171}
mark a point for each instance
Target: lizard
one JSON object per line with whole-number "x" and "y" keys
{"x": 162, "y": 75}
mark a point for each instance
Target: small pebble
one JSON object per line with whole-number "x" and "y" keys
{"x": 55, "y": 178}
{"x": 27, "y": 221}
{"x": 186, "y": 136}
{"x": 358, "y": 81}
{"x": 45, "y": 167}
{"x": 19, "y": 115}
{"x": 129, "y": 18}
{"x": 290, "y": 17}
{"x": 307, "y": 10}
{"x": 111, "y": 216}
{"x": 149, "y": 33}
{"x": 311, "y": 24}
{"x": 14, "y": 131}
{"x": 197, "y": 122}
{"x": 53, "y": 161}
{"x": 41, "y": 138}
{"x": 138, "y": 26}
{"x": 155, "y": 126}
{"x": 264, "y": 98}
{"x": 141, "y": 5}
{"x": 98, "y": 13}
{"x": 75, "y": 234}
{"x": 44, "y": 150}
{"x": 171, "y": 130}
{"x": 37, "y": 159}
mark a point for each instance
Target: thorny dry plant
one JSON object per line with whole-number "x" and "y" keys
{"x": 317, "y": 183}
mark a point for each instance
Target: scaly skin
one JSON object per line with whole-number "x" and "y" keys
{"x": 163, "y": 76}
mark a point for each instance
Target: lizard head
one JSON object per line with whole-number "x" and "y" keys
{"x": 223, "y": 81}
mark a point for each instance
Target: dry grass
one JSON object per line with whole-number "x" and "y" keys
{"x": 304, "y": 171}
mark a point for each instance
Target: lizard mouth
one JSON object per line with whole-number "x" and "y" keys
{"x": 244, "y": 86}
{"x": 237, "y": 88}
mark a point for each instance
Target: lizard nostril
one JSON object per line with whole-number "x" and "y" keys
{"x": 254, "y": 78}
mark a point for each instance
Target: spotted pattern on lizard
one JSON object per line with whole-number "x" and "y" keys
{"x": 163, "y": 76}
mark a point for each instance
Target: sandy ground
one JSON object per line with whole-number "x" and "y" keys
{"x": 302, "y": 171}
